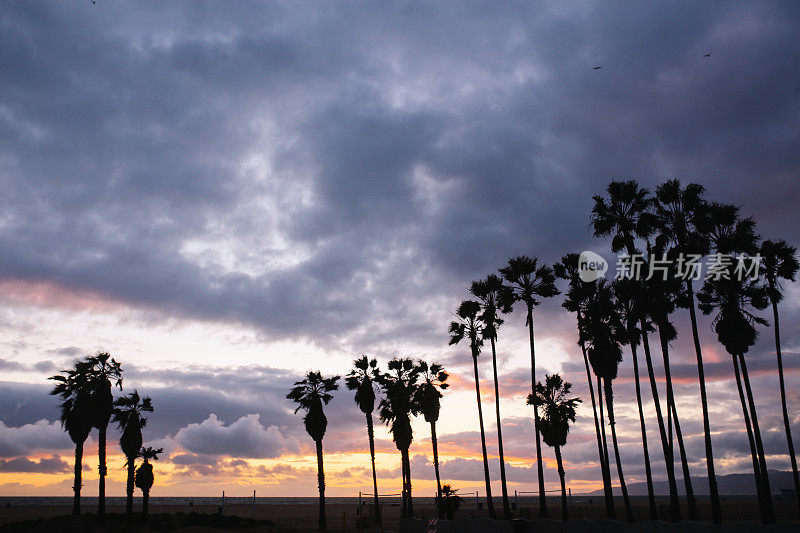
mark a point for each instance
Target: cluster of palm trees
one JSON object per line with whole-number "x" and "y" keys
{"x": 87, "y": 403}
{"x": 664, "y": 230}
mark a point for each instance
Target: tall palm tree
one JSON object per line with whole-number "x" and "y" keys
{"x": 104, "y": 370}
{"x": 625, "y": 215}
{"x": 495, "y": 296}
{"x": 427, "y": 398}
{"x": 144, "y": 476}
{"x": 362, "y": 380}
{"x": 557, "y": 412}
{"x": 677, "y": 210}
{"x": 396, "y": 408}
{"x": 310, "y": 394}
{"x": 468, "y": 326}
{"x": 779, "y": 261}
{"x": 575, "y": 301}
{"x": 530, "y": 283}
{"x": 127, "y": 414}
{"x": 603, "y": 334}
{"x": 627, "y": 295}
{"x": 76, "y": 417}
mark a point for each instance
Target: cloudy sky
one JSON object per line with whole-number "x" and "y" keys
{"x": 226, "y": 195}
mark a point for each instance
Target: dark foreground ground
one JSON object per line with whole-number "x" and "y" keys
{"x": 341, "y": 517}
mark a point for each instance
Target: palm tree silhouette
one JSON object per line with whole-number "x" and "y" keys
{"x": 603, "y": 334}
{"x": 361, "y": 379}
{"x": 495, "y": 296}
{"x": 677, "y": 210}
{"x": 530, "y": 282}
{"x": 779, "y": 261}
{"x": 311, "y": 393}
{"x": 468, "y": 326}
{"x": 730, "y": 299}
{"x": 626, "y": 215}
{"x": 575, "y": 300}
{"x": 427, "y": 398}
{"x": 627, "y": 295}
{"x": 396, "y": 408}
{"x": 127, "y": 414}
{"x": 144, "y": 476}
{"x": 557, "y": 412}
{"x": 76, "y": 417}
{"x": 103, "y": 370}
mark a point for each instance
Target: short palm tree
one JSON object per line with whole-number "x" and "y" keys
{"x": 428, "y": 398}
{"x": 468, "y": 327}
{"x": 311, "y": 393}
{"x": 495, "y": 297}
{"x": 144, "y": 476}
{"x": 127, "y": 414}
{"x": 76, "y": 417}
{"x": 557, "y": 412}
{"x": 396, "y": 408}
{"x": 449, "y": 502}
{"x": 627, "y": 295}
{"x": 531, "y": 282}
{"x": 362, "y": 380}
{"x": 575, "y": 300}
{"x": 104, "y": 370}
{"x": 677, "y": 209}
{"x": 779, "y": 262}
{"x": 603, "y": 333}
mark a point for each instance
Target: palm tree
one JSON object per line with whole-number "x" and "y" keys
{"x": 103, "y": 370}
{"x": 311, "y": 393}
{"x": 127, "y": 414}
{"x": 76, "y": 417}
{"x": 144, "y": 476}
{"x": 361, "y": 379}
{"x": 626, "y": 215}
{"x": 603, "y": 334}
{"x": 449, "y": 502}
{"x": 494, "y": 296}
{"x": 396, "y": 408}
{"x": 468, "y": 326}
{"x": 677, "y": 210}
{"x": 575, "y": 301}
{"x": 427, "y": 398}
{"x": 627, "y": 295}
{"x": 779, "y": 261}
{"x": 530, "y": 282}
{"x": 557, "y": 412}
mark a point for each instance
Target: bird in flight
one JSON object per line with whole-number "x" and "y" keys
{"x": 707, "y": 56}
{"x": 596, "y": 68}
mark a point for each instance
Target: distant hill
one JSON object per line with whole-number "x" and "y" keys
{"x": 729, "y": 485}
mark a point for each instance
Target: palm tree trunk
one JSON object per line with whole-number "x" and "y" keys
{"x": 145, "y": 502}
{"x": 716, "y": 509}
{"x": 609, "y": 498}
{"x": 489, "y": 502}
{"x": 77, "y": 481}
{"x": 410, "y": 504}
{"x": 102, "y": 471}
{"x": 750, "y": 440}
{"x": 648, "y": 474}
{"x": 564, "y": 512}
{"x": 762, "y": 459}
{"x": 129, "y": 488}
{"x": 371, "y": 435}
{"x": 503, "y": 486}
{"x": 673, "y": 412}
{"x": 669, "y": 458}
{"x": 539, "y": 466}
{"x": 611, "y": 512}
{"x": 610, "y": 404}
{"x": 789, "y": 440}
{"x": 435, "y": 445}
{"x": 404, "y": 486}
{"x": 321, "y": 485}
